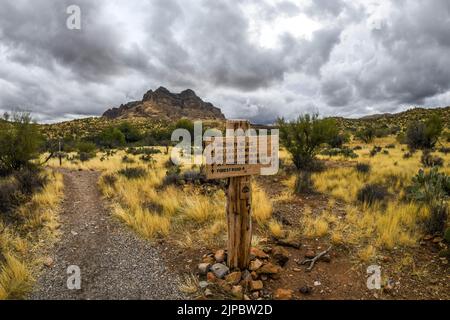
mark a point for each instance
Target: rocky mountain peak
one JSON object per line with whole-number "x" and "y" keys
{"x": 164, "y": 104}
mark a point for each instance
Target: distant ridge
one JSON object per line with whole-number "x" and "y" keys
{"x": 162, "y": 104}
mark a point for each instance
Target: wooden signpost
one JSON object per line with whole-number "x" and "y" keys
{"x": 239, "y": 192}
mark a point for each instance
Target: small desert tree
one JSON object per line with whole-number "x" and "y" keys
{"x": 303, "y": 136}
{"x": 424, "y": 135}
{"x": 20, "y": 140}
{"x": 366, "y": 134}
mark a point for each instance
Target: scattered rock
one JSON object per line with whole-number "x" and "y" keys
{"x": 224, "y": 285}
{"x": 263, "y": 277}
{"x": 281, "y": 255}
{"x": 283, "y": 294}
{"x": 297, "y": 270}
{"x": 208, "y": 293}
{"x": 48, "y": 262}
{"x": 220, "y": 270}
{"x": 233, "y": 278}
{"x": 254, "y": 275}
{"x": 255, "y": 265}
{"x": 203, "y": 284}
{"x": 267, "y": 249}
{"x": 237, "y": 291}
{"x": 220, "y": 256}
{"x": 203, "y": 268}
{"x": 317, "y": 283}
{"x": 268, "y": 268}
{"x": 306, "y": 290}
{"x": 389, "y": 287}
{"x": 246, "y": 275}
{"x": 289, "y": 243}
{"x": 310, "y": 254}
{"x": 428, "y": 237}
{"x": 438, "y": 240}
{"x": 210, "y": 277}
{"x": 246, "y": 297}
{"x": 326, "y": 258}
{"x": 258, "y": 253}
{"x": 74, "y": 233}
{"x": 255, "y": 295}
{"x": 256, "y": 285}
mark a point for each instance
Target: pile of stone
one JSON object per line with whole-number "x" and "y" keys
{"x": 245, "y": 284}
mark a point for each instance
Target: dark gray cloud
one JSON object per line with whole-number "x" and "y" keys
{"x": 255, "y": 59}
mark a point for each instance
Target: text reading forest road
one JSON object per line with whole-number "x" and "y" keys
{"x": 225, "y": 310}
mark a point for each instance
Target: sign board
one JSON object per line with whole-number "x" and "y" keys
{"x": 239, "y": 156}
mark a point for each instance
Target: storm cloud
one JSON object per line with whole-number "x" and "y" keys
{"x": 254, "y": 59}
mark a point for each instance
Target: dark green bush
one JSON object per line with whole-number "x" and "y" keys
{"x": 133, "y": 173}
{"x": 10, "y": 195}
{"x": 111, "y": 138}
{"x": 20, "y": 140}
{"x": 130, "y": 132}
{"x": 363, "y": 168}
{"x": 424, "y": 135}
{"x": 30, "y": 180}
{"x": 366, "y": 135}
{"x": 109, "y": 179}
{"x": 371, "y": 193}
{"x": 127, "y": 159}
{"x": 303, "y": 137}
{"x": 428, "y": 160}
{"x": 431, "y": 189}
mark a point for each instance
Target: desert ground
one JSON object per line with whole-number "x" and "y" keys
{"x": 140, "y": 227}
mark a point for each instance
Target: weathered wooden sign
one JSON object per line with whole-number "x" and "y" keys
{"x": 240, "y": 156}
{"x": 238, "y": 160}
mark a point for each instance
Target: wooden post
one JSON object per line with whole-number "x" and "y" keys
{"x": 239, "y": 202}
{"x": 59, "y": 153}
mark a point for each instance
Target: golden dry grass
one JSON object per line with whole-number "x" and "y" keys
{"x": 22, "y": 244}
{"x": 397, "y": 223}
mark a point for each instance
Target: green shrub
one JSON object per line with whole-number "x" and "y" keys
{"x": 111, "y": 138}
{"x": 424, "y": 135}
{"x": 20, "y": 140}
{"x": 363, "y": 168}
{"x": 109, "y": 179}
{"x": 303, "y": 137}
{"x": 429, "y": 187}
{"x": 10, "y": 195}
{"x": 366, "y": 135}
{"x": 133, "y": 173}
{"x": 30, "y": 180}
{"x": 127, "y": 159}
{"x": 371, "y": 193}
{"x": 447, "y": 235}
{"x": 428, "y": 160}
{"x": 130, "y": 132}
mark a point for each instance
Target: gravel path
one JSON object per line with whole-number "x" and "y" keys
{"x": 114, "y": 263}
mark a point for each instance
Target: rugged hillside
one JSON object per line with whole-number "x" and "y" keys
{"x": 399, "y": 120}
{"x": 162, "y": 104}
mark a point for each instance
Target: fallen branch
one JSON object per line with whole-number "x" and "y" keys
{"x": 314, "y": 260}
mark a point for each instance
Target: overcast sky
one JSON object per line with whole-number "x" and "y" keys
{"x": 256, "y": 59}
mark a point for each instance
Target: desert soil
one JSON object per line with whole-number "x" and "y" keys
{"x": 114, "y": 263}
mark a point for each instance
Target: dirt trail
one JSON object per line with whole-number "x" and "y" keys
{"x": 114, "y": 263}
